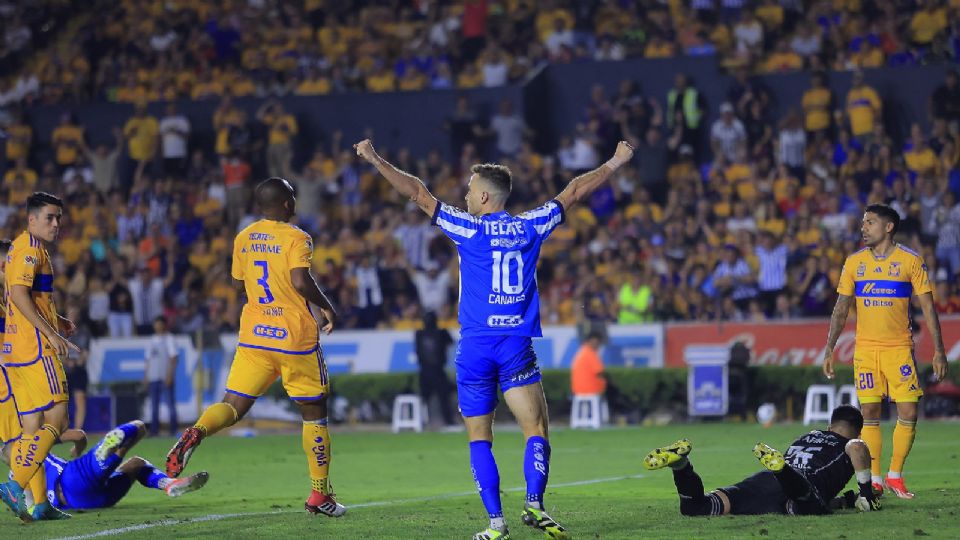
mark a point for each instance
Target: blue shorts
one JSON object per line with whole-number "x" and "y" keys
{"x": 88, "y": 484}
{"x": 485, "y": 361}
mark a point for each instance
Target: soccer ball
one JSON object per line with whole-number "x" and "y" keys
{"x": 766, "y": 414}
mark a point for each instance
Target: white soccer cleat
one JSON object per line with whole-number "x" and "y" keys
{"x": 181, "y": 486}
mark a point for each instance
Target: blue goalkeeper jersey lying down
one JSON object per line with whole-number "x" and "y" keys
{"x": 498, "y": 267}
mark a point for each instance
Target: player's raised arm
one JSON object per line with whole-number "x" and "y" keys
{"x": 407, "y": 184}
{"x": 582, "y": 186}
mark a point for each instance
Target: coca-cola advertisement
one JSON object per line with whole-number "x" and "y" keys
{"x": 793, "y": 343}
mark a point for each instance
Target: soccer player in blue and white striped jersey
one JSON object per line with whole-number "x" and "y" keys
{"x": 499, "y": 315}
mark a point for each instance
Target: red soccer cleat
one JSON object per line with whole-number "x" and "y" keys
{"x": 898, "y": 488}
{"x": 319, "y": 503}
{"x": 180, "y": 453}
{"x": 877, "y": 489}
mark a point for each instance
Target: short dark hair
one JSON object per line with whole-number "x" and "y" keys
{"x": 5, "y": 246}
{"x": 499, "y": 176}
{"x": 161, "y": 319}
{"x": 40, "y": 199}
{"x": 886, "y": 214}
{"x": 272, "y": 193}
{"x": 849, "y": 415}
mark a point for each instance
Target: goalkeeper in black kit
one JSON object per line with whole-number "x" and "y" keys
{"x": 804, "y": 480}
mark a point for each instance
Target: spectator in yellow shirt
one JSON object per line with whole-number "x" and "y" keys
{"x": 783, "y": 60}
{"x": 314, "y": 85}
{"x": 864, "y": 108}
{"x": 141, "y": 132}
{"x": 67, "y": 140}
{"x": 282, "y": 128}
{"x": 816, "y": 105}
{"x": 21, "y": 170}
{"x": 927, "y": 23}
{"x": 19, "y": 136}
{"x": 381, "y": 79}
{"x": 920, "y": 158}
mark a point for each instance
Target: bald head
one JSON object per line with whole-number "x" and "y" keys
{"x": 275, "y": 198}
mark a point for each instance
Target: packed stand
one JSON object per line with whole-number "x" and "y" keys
{"x": 133, "y": 51}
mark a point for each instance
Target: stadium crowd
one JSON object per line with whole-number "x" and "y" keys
{"x": 155, "y": 50}
{"x": 752, "y": 225}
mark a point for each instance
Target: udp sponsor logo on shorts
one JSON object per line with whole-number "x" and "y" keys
{"x": 269, "y": 332}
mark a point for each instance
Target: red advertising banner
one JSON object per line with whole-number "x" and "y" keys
{"x": 792, "y": 343}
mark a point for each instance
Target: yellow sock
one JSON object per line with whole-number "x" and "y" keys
{"x": 903, "y": 436}
{"x": 33, "y": 450}
{"x": 316, "y": 444}
{"x": 874, "y": 439}
{"x": 38, "y": 486}
{"x": 216, "y": 417}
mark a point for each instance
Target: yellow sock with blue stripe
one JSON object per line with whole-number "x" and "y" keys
{"x": 33, "y": 450}
{"x": 874, "y": 438}
{"x": 316, "y": 444}
{"x": 903, "y": 436}
{"x": 216, "y": 417}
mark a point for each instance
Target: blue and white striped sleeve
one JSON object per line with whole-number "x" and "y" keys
{"x": 455, "y": 223}
{"x": 545, "y": 218}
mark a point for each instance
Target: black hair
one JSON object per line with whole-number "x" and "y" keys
{"x": 5, "y": 246}
{"x": 272, "y": 194}
{"x": 498, "y": 176}
{"x": 40, "y": 199}
{"x": 849, "y": 415}
{"x": 886, "y": 214}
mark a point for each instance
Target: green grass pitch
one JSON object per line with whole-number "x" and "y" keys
{"x": 419, "y": 486}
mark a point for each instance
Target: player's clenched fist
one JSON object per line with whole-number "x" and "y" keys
{"x": 365, "y": 150}
{"x": 622, "y": 155}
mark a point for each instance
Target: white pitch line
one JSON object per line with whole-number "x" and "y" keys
{"x": 221, "y": 517}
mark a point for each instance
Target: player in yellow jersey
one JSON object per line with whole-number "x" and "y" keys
{"x": 278, "y": 337}
{"x": 9, "y": 419}
{"x": 880, "y": 280}
{"x": 34, "y": 341}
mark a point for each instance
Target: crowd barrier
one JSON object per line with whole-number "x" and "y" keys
{"x": 115, "y": 362}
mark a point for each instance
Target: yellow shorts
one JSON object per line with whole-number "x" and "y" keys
{"x": 304, "y": 376}
{"x": 886, "y": 372}
{"x": 38, "y": 384}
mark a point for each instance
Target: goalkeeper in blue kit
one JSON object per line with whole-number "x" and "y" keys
{"x": 499, "y": 314}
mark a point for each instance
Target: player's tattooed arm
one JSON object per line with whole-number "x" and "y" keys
{"x": 837, "y": 321}
{"x": 933, "y": 325}
{"x": 582, "y": 186}
{"x": 405, "y": 183}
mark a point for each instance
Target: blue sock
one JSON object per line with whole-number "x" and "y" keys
{"x": 130, "y": 431}
{"x": 152, "y": 477}
{"x": 536, "y": 468}
{"x": 486, "y": 475}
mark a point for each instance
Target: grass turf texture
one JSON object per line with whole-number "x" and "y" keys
{"x": 267, "y": 476}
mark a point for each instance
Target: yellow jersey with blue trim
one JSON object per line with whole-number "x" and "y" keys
{"x": 882, "y": 288}
{"x": 28, "y": 264}
{"x": 276, "y": 317}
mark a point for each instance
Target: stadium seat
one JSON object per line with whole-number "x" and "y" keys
{"x": 409, "y": 412}
{"x": 815, "y": 409}
{"x": 588, "y": 411}
{"x": 847, "y": 395}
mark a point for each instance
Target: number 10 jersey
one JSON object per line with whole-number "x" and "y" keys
{"x": 498, "y": 267}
